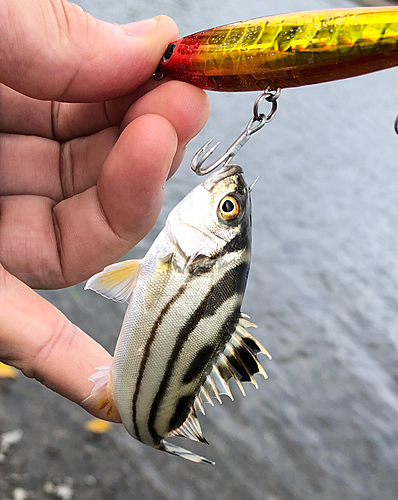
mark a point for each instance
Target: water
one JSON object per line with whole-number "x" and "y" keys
{"x": 322, "y": 289}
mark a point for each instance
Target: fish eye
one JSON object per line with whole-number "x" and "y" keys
{"x": 228, "y": 208}
{"x": 168, "y": 53}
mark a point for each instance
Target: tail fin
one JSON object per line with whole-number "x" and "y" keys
{"x": 183, "y": 453}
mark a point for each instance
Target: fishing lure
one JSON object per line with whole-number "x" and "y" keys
{"x": 288, "y": 50}
{"x": 183, "y": 336}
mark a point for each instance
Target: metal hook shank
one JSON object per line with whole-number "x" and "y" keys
{"x": 257, "y": 122}
{"x": 201, "y": 156}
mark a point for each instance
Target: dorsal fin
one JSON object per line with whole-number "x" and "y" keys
{"x": 190, "y": 429}
{"x": 211, "y": 388}
{"x": 117, "y": 281}
{"x": 222, "y": 385}
{"x": 238, "y": 360}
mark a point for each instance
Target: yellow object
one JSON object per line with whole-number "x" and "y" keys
{"x": 7, "y": 371}
{"x": 97, "y": 426}
{"x": 286, "y": 50}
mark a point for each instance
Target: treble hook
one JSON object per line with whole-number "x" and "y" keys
{"x": 257, "y": 121}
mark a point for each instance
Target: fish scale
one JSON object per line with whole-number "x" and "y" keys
{"x": 204, "y": 334}
{"x": 183, "y": 336}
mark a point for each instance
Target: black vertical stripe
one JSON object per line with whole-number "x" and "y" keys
{"x": 145, "y": 355}
{"x": 233, "y": 282}
{"x": 181, "y": 339}
{"x": 226, "y": 287}
{"x": 180, "y": 413}
{"x": 201, "y": 359}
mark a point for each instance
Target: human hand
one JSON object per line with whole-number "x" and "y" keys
{"x": 82, "y": 170}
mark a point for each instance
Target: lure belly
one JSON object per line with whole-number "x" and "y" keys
{"x": 288, "y": 50}
{"x": 183, "y": 336}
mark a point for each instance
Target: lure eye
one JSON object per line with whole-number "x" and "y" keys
{"x": 168, "y": 53}
{"x": 229, "y": 208}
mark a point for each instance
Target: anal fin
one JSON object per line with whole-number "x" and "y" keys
{"x": 190, "y": 429}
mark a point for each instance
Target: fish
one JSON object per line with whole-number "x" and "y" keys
{"x": 183, "y": 337}
{"x": 287, "y": 50}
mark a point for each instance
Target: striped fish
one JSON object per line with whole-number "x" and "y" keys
{"x": 183, "y": 336}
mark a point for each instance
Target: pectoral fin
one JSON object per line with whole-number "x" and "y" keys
{"x": 117, "y": 281}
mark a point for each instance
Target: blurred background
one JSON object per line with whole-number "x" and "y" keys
{"x": 322, "y": 288}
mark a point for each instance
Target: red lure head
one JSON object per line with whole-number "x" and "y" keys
{"x": 180, "y": 61}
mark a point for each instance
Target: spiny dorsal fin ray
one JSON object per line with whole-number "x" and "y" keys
{"x": 205, "y": 396}
{"x": 249, "y": 340}
{"x": 190, "y": 429}
{"x": 245, "y": 374}
{"x": 238, "y": 360}
{"x": 234, "y": 373}
{"x": 245, "y": 359}
{"x": 211, "y": 388}
{"x": 244, "y": 321}
{"x": 198, "y": 404}
{"x": 222, "y": 385}
{"x": 247, "y": 354}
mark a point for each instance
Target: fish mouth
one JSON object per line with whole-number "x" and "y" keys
{"x": 228, "y": 170}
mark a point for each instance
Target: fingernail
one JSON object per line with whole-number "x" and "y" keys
{"x": 139, "y": 29}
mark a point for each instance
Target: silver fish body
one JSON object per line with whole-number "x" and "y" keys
{"x": 183, "y": 335}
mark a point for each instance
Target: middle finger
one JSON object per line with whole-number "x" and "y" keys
{"x": 31, "y": 165}
{"x": 62, "y": 121}
{"x": 40, "y": 166}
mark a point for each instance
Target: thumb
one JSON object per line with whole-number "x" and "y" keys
{"x": 53, "y": 50}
